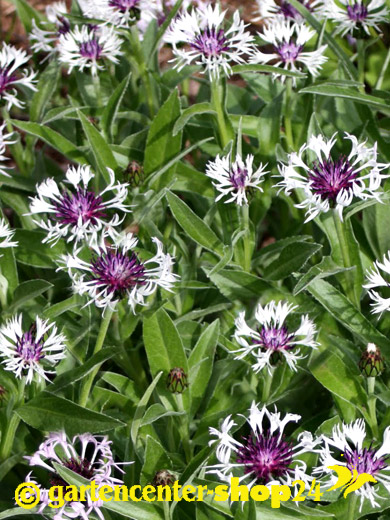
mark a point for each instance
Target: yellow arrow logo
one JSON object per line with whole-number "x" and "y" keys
{"x": 350, "y": 480}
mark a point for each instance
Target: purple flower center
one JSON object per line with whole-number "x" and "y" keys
{"x": 289, "y": 51}
{"x": 83, "y": 205}
{"x": 289, "y": 11}
{"x": 267, "y": 456}
{"x": 91, "y": 49}
{"x": 357, "y": 12}
{"x": 364, "y": 461}
{"x": 330, "y": 177}
{"x": 238, "y": 176}
{"x": 118, "y": 272}
{"x": 28, "y": 348}
{"x": 123, "y": 5}
{"x": 211, "y": 43}
{"x": 63, "y": 26}
{"x": 6, "y": 79}
{"x": 80, "y": 466}
{"x": 275, "y": 339}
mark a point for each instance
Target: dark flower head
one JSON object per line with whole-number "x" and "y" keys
{"x": 371, "y": 362}
{"x": 177, "y": 380}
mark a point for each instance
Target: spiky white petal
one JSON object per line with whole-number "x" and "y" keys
{"x": 70, "y": 45}
{"x": 223, "y": 171}
{"x": 362, "y": 159}
{"x": 186, "y": 28}
{"x": 272, "y": 317}
{"x": 282, "y": 32}
{"x": 12, "y": 66}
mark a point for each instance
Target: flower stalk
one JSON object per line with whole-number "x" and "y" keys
{"x": 224, "y": 127}
{"x": 8, "y": 435}
{"x": 87, "y": 382}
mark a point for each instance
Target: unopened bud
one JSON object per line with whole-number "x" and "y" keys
{"x": 371, "y": 362}
{"x": 177, "y": 380}
{"x": 163, "y": 478}
{"x": 134, "y": 174}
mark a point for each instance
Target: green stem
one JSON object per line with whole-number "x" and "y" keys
{"x": 288, "y": 115}
{"x": 184, "y": 428}
{"x": 245, "y": 224}
{"x": 349, "y": 275}
{"x": 97, "y": 89}
{"x": 353, "y": 497}
{"x": 372, "y": 406}
{"x": 167, "y": 510}
{"x": 87, "y": 383}
{"x": 383, "y": 71}
{"x": 8, "y": 436}
{"x": 17, "y": 146}
{"x": 225, "y": 133}
{"x": 140, "y": 59}
{"x": 267, "y": 383}
{"x": 361, "y": 49}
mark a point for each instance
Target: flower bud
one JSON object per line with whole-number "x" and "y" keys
{"x": 163, "y": 478}
{"x": 134, "y": 174}
{"x": 371, "y": 362}
{"x": 177, "y": 380}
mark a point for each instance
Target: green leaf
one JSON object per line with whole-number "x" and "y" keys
{"x": 48, "y": 412}
{"x": 161, "y": 147}
{"x": 66, "y": 305}
{"x": 52, "y": 138}
{"x": 111, "y": 109}
{"x": 27, "y": 291}
{"x": 46, "y": 87}
{"x": 194, "y": 226}
{"x": 101, "y": 151}
{"x": 75, "y": 374}
{"x": 27, "y": 14}
{"x": 327, "y": 267}
{"x": 270, "y": 69}
{"x": 31, "y": 251}
{"x": 163, "y": 344}
{"x": 347, "y": 314}
{"x": 139, "y": 510}
{"x": 139, "y": 413}
{"x": 269, "y": 128}
{"x": 8, "y": 270}
{"x": 156, "y": 412}
{"x": 332, "y": 372}
{"x": 346, "y": 93}
{"x": 200, "y": 364}
{"x": 239, "y": 284}
{"x": 156, "y": 459}
{"x": 188, "y": 113}
{"x": 292, "y": 258}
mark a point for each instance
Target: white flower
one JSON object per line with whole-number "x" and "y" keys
{"x": 288, "y": 40}
{"x": 5, "y": 140}
{"x": 29, "y": 352}
{"x": 90, "y": 456}
{"x": 45, "y": 40}
{"x": 328, "y": 182}
{"x": 6, "y": 235}
{"x": 268, "y": 10}
{"x": 265, "y": 456}
{"x": 199, "y": 37}
{"x": 13, "y": 74}
{"x": 354, "y": 15}
{"x": 78, "y": 214}
{"x": 115, "y": 272}
{"x": 272, "y": 337}
{"x": 346, "y": 447}
{"x": 120, "y": 13}
{"x": 235, "y": 179}
{"x": 376, "y": 279}
{"x": 87, "y": 46}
